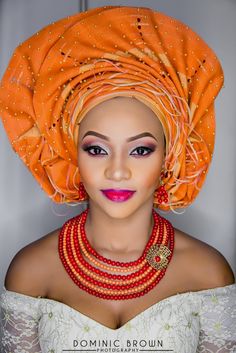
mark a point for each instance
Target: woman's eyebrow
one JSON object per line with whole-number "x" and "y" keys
{"x": 94, "y": 133}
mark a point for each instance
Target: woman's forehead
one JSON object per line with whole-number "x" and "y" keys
{"x": 119, "y": 111}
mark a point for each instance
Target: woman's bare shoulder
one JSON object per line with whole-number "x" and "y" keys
{"x": 206, "y": 265}
{"x": 30, "y": 269}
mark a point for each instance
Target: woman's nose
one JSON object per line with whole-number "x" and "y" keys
{"x": 118, "y": 169}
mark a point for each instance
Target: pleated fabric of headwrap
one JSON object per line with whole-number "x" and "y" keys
{"x": 57, "y": 75}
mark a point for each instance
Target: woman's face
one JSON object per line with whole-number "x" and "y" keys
{"x": 108, "y": 160}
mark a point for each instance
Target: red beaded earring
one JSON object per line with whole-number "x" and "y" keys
{"x": 82, "y": 191}
{"x": 160, "y": 193}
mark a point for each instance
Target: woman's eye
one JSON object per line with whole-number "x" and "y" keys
{"x": 95, "y": 148}
{"x": 143, "y": 149}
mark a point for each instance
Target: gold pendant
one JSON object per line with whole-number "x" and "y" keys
{"x": 161, "y": 252}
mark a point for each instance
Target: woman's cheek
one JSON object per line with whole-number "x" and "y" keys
{"x": 150, "y": 176}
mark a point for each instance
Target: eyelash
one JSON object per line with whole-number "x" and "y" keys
{"x": 87, "y": 149}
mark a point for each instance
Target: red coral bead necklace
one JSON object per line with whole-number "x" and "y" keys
{"x": 97, "y": 274}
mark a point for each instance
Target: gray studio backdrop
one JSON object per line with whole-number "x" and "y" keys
{"x": 27, "y": 213}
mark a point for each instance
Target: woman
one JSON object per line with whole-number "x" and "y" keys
{"x": 101, "y": 108}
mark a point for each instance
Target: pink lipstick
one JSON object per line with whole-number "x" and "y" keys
{"x": 118, "y": 195}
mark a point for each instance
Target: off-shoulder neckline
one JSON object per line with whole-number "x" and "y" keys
{"x": 144, "y": 312}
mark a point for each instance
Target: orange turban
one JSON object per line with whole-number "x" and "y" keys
{"x": 68, "y": 67}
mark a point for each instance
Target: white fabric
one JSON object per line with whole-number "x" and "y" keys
{"x": 191, "y": 322}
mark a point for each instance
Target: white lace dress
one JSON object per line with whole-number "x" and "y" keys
{"x": 202, "y": 321}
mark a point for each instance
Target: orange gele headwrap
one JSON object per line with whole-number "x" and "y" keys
{"x": 68, "y": 67}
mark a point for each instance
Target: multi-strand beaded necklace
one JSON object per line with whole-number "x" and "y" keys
{"x": 146, "y": 272}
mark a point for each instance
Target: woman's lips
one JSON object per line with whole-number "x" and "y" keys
{"x": 118, "y": 195}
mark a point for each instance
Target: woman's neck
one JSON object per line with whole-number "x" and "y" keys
{"x": 119, "y": 235}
